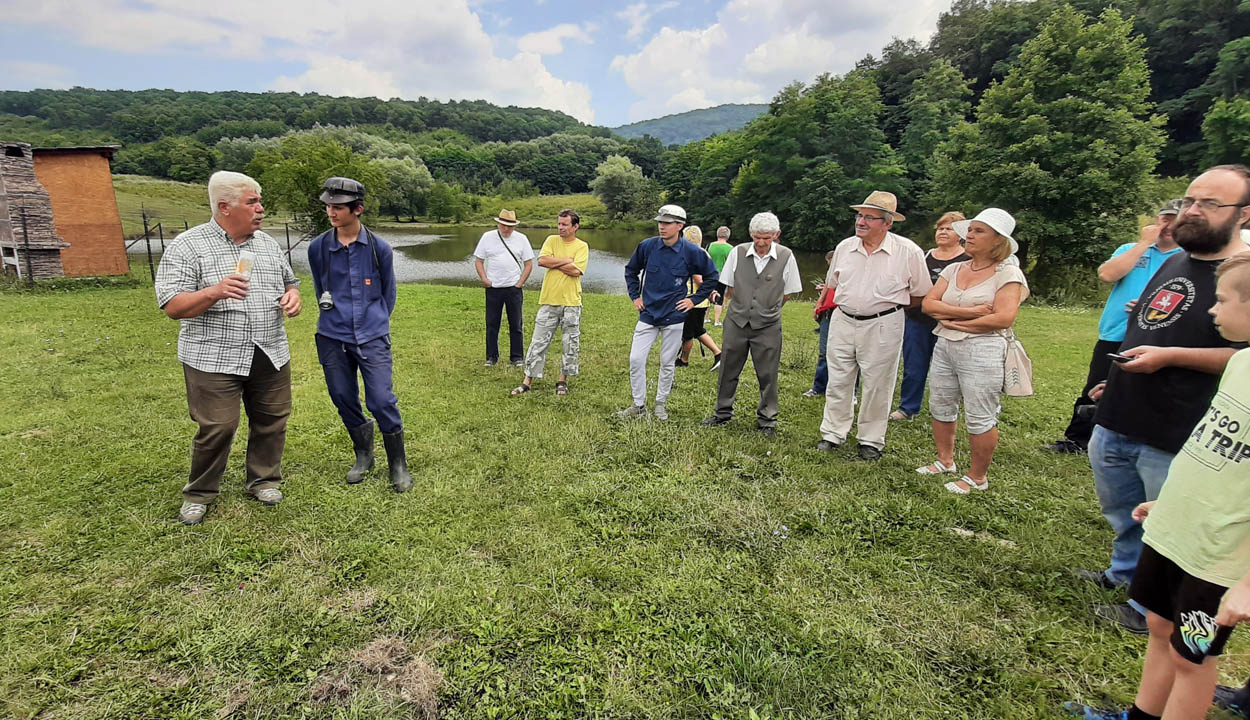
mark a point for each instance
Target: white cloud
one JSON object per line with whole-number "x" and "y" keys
{"x": 28, "y": 75}
{"x": 638, "y": 15}
{"x": 756, "y": 47}
{"x": 551, "y": 42}
{"x": 387, "y": 48}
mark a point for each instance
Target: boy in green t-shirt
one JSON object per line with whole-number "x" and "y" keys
{"x": 1193, "y": 577}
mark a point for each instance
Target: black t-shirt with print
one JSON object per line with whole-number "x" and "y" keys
{"x": 935, "y": 269}
{"x": 1161, "y": 408}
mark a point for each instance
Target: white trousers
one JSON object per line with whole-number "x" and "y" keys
{"x": 670, "y": 345}
{"x": 868, "y": 349}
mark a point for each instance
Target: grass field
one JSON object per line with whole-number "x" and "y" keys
{"x": 551, "y": 562}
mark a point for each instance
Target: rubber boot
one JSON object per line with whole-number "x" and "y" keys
{"x": 397, "y": 460}
{"x": 362, "y": 444}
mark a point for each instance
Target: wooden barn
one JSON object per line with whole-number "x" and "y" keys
{"x": 66, "y": 196}
{"x": 29, "y": 244}
{"x": 84, "y": 208}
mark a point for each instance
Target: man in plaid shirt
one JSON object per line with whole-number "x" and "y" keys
{"x": 232, "y": 343}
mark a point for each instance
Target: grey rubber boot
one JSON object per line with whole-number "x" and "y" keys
{"x": 397, "y": 460}
{"x": 362, "y": 444}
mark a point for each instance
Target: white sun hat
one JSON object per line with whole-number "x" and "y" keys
{"x": 999, "y": 220}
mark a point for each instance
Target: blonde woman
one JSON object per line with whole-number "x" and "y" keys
{"x": 693, "y": 329}
{"x": 975, "y": 302}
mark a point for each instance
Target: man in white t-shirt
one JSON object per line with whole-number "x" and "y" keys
{"x": 504, "y": 259}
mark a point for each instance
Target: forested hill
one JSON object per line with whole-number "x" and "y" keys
{"x": 148, "y": 115}
{"x": 694, "y": 125}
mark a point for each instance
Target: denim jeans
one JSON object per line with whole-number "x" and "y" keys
{"x": 822, "y": 365}
{"x": 918, "y": 343}
{"x": 1127, "y": 472}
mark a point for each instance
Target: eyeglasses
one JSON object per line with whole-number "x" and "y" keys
{"x": 866, "y": 218}
{"x": 1207, "y": 205}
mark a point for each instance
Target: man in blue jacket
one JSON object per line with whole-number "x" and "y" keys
{"x": 355, "y": 286}
{"x": 657, "y": 276}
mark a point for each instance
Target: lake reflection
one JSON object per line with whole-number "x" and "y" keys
{"x": 443, "y": 255}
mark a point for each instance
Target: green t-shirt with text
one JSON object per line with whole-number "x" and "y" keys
{"x": 1202, "y": 519}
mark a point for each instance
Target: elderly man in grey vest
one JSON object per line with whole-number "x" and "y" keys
{"x": 873, "y": 275}
{"x": 758, "y": 276}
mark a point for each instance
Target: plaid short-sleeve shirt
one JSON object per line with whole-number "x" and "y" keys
{"x": 221, "y": 340}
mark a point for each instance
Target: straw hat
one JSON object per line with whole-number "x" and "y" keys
{"x": 1000, "y": 220}
{"x": 883, "y": 201}
{"x": 507, "y": 217}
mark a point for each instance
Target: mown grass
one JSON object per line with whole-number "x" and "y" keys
{"x": 551, "y": 562}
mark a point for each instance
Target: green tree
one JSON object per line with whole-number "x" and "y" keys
{"x": 408, "y": 184}
{"x": 619, "y": 184}
{"x": 1066, "y": 143}
{"x": 938, "y": 101}
{"x": 447, "y": 202}
{"x": 292, "y": 176}
{"x": 1226, "y": 130}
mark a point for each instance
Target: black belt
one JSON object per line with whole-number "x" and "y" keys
{"x": 883, "y": 313}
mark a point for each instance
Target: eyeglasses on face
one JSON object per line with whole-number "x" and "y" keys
{"x": 867, "y": 218}
{"x": 1207, "y": 205}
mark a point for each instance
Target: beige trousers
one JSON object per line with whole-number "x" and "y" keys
{"x": 868, "y": 349}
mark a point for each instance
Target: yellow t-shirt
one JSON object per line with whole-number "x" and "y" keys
{"x": 558, "y": 288}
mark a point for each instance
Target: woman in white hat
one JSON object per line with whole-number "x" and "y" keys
{"x": 975, "y": 303}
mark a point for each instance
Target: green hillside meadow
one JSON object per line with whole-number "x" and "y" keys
{"x": 551, "y": 562}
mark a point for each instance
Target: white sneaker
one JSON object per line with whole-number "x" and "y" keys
{"x": 192, "y": 513}
{"x": 268, "y": 496}
{"x": 632, "y": 412}
{"x": 660, "y": 411}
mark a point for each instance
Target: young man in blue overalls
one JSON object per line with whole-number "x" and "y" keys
{"x": 354, "y": 280}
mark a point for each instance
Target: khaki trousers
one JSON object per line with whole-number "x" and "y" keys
{"x": 870, "y": 350}
{"x": 213, "y": 401}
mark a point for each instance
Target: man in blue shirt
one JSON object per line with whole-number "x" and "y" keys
{"x": 1129, "y": 267}
{"x": 666, "y": 265}
{"x": 354, "y": 280}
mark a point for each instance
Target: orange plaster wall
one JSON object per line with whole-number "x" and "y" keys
{"x": 84, "y": 209}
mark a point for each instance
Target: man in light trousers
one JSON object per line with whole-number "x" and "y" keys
{"x": 874, "y": 275}
{"x": 657, "y": 276}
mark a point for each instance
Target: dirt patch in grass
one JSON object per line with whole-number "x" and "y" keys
{"x": 392, "y": 668}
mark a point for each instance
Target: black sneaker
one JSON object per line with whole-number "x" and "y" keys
{"x": 767, "y": 430}
{"x": 491, "y": 363}
{"x": 680, "y": 363}
{"x": 1123, "y": 615}
{"x": 715, "y": 421}
{"x": 868, "y": 452}
{"x": 826, "y": 446}
{"x": 1065, "y": 447}
{"x": 1228, "y": 699}
{"x": 1094, "y": 577}
{"x": 715, "y": 362}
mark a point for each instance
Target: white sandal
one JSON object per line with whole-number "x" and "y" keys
{"x": 954, "y": 487}
{"x": 928, "y": 469}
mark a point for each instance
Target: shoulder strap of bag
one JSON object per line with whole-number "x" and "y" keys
{"x": 515, "y": 259}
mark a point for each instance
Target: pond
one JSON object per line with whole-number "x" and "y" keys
{"x": 443, "y": 255}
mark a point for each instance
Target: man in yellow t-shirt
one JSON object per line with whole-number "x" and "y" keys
{"x": 560, "y": 303}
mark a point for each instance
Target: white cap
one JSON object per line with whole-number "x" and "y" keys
{"x": 671, "y": 213}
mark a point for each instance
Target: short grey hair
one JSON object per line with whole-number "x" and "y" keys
{"x": 764, "y": 222}
{"x": 228, "y": 187}
{"x": 722, "y": 232}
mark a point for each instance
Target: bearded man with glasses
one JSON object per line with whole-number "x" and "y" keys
{"x": 1152, "y": 401}
{"x": 874, "y": 275}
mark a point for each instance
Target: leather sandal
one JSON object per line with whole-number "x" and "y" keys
{"x": 520, "y": 389}
{"x": 562, "y": 387}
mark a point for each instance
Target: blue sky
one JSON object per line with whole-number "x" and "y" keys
{"x": 604, "y": 63}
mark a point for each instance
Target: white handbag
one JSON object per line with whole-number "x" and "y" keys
{"x": 1017, "y": 369}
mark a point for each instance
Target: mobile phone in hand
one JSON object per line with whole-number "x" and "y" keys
{"x": 1117, "y": 357}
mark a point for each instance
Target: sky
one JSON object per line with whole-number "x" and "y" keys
{"x": 603, "y": 63}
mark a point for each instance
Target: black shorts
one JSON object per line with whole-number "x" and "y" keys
{"x": 693, "y": 327}
{"x": 1163, "y": 588}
